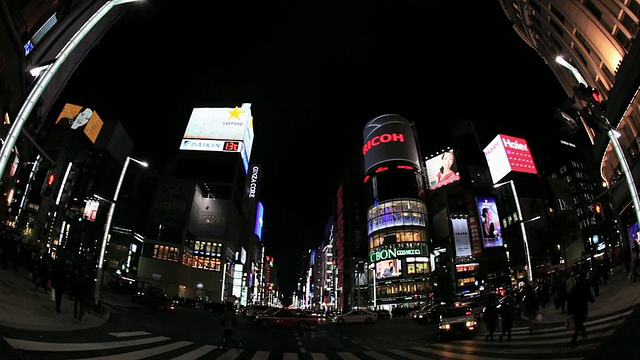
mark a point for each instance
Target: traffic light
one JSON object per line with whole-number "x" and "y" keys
{"x": 48, "y": 185}
{"x": 598, "y": 212}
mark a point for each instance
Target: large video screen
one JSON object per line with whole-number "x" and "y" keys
{"x": 489, "y": 222}
{"x": 388, "y": 268}
{"x": 442, "y": 170}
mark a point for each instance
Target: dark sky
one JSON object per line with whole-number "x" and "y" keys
{"x": 315, "y": 73}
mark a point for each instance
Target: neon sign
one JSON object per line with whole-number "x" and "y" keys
{"x": 392, "y": 254}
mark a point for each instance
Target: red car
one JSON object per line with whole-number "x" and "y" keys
{"x": 287, "y": 317}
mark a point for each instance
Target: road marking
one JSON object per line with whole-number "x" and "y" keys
{"x": 50, "y": 346}
{"x": 129, "y": 333}
{"x": 197, "y": 353}
{"x": 319, "y": 356}
{"x": 141, "y": 354}
{"x": 261, "y": 355}
{"x": 290, "y": 356}
{"x": 348, "y": 356}
{"x": 376, "y": 355}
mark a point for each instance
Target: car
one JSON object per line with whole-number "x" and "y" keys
{"x": 457, "y": 321}
{"x": 356, "y": 316}
{"x": 264, "y": 313}
{"x": 212, "y": 306}
{"x": 153, "y": 298}
{"x": 253, "y": 310}
{"x": 428, "y": 313}
{"x": 288, "y": 317}
{"x": 476, "y": 307}
{"x": 383, "y": 314}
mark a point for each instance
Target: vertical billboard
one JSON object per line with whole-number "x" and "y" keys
{"x": 442, "y": 170}
{"x": 489, "y": 222}
{"x": 389, "y": 139}
{"x": 81, "y": 118}
{"x": 507, "y": 153}
{"x": 461, "y": 238}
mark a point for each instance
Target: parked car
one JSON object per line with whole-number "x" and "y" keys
{"x": 356, "y": 316}
{"x": 288, "y": 317}
{"x": 428, "y": 313}
{"x": 457, "y": 321}
{"x": 153, "y": 298}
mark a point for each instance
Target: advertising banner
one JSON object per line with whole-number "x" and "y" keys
{"x": 461, "y": 237}
{"x": 389, "y": 269}
{"x": 81, "y": 118}
{"x": 489, "y": 222}
{"x": 389, "y": 139}
{"x": 507, "y": 153}
{"x": 442, "y": 170}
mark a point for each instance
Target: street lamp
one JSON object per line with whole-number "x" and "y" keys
{"x": 46, "y": 76}
{"x": 613, "y": 135}
{"x": 107, "y": 225}
{"x": 525, "y": 239}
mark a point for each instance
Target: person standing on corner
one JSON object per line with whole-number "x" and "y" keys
{"x": 229, "y": 323}
{"x": 81, "y": 293}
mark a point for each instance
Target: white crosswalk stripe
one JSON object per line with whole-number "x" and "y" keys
{"x": 548, "y": 343}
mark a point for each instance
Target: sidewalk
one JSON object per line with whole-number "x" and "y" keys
{"x": 619, "y": 294}
{"x": 24, "y": 307}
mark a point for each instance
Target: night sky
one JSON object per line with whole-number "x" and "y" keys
{"x": 315, "y": 73}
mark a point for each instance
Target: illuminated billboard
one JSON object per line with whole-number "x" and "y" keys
{"x": 461, "y": 237}
{"x": 81, "y": 118}
{"x": 388, "y": 269}
{"x": 220, "y": 129}
{"x": 442, "y": 170}
{"x": 389, "y": 139}
{"x": 489, "y": 222}
{"x": 507, "y": 153}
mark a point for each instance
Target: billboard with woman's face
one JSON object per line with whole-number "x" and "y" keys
{"x": 489, "y": 222}
{"x": 442, "y": 170}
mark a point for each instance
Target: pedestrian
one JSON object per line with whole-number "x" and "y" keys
{"x": 505, "y": 309}
{"x": 531, "y": 303}
{"x": 578, "y": 306}
{"x": 81, "y": 291}
{"x": 490, "y": 316}
{"x": 59, "y": 281}
{"x": 558, "y": 289}
{"x": 229, "y": 324}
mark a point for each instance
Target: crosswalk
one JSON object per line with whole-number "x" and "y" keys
{"x": 545, "y": 343}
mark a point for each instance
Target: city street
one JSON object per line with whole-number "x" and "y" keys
{"x": 135, "y": 333}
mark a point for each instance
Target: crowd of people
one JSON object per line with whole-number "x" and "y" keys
{"x": 570, "y": 290}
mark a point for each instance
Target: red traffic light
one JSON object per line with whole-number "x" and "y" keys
{"x": 595, "y": 95}
{"x": 51, "y": 178}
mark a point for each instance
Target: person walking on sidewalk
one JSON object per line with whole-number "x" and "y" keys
{"x": 59, "y": 281}
{"x": 531, "y": 303}
{"x": 578, "y": 306}
{"x": 505, "y": 308}
{"x": 490, "y": 316}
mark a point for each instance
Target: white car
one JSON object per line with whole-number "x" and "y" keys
{"x": 356, "y": 316}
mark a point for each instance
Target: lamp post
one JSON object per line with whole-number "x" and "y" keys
{"x": 46, "y": 76}
{"x": 107, "y": 225}
{"x": 613, "y": 138}
{"x": 525, "y": 239}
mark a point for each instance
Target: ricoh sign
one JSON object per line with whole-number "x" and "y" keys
{"x": 389, "y": 139}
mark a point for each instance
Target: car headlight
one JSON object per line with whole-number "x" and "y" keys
{"x": 445, "y": 326}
